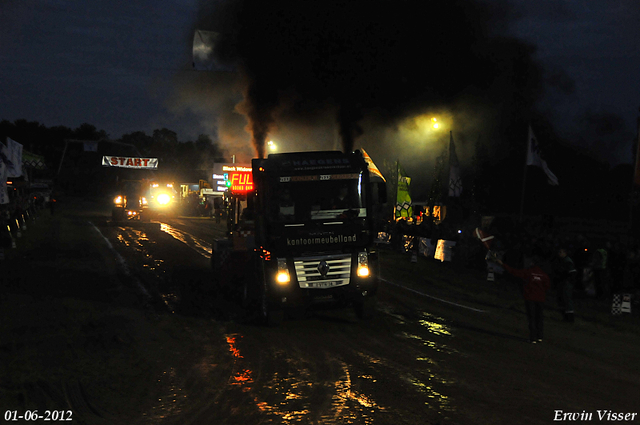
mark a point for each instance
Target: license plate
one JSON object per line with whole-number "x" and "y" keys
{"x": 324, "y": 284}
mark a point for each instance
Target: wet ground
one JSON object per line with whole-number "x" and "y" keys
{"x": 119, "y": 324}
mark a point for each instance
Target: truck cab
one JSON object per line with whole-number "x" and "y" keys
{"x": 308, "y": 234}
{"x": 130, "y": 202}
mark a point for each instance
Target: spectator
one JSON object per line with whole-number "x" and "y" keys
{"x": 536, "y": 283}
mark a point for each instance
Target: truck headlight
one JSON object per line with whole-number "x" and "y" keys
{"x": 282, "y": 277}
{"x": 143, "y": 201}
{"x": 164, "y": 199}
{"x": 363, "y": 265}
{"x": 117, "y": 200}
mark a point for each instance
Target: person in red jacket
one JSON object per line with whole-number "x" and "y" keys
{"x": 536, "y": 284}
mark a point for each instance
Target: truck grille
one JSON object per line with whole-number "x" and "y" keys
{"x": 326, "y": 271}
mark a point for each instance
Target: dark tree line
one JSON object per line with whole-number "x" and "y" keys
{"x": 78, "y": 170}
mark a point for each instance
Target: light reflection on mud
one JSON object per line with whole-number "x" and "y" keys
{"x": 288, "y": 396}
{"x": 200, "y": 246}
{"x": 349, "y": 405}
{"x": 170, "y": 299}
{"x": 432, "y": 324}
{"x": 437, "y": 400}
{"x": 240, "y": 377}
{"x": 441, "y": 348}
{"x": 172, "y": 400}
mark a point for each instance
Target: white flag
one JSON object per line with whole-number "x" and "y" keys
{"x": 535, "y": 158}
{"x": 204, "y": 43}
{"x": 15, "y": 156}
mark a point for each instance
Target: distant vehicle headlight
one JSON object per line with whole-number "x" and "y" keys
{"x": 164, "y": 199}
{"x": 117, "y": 200}
{"x": 143, "y": 201}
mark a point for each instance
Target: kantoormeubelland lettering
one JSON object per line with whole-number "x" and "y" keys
{"x": 319, "y": 241}
{"x": 598, "y": 415}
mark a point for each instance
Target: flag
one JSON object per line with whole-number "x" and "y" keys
{"x": 14, "y": 168}
{"x": 455, "y": 178}
{"x": 371, "y": 166}
{"x": 403, "y": 201}
{"x": 203, "y": 52}
{"x": 535, "y": 158}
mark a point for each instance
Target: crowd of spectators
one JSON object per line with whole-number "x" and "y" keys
{"x": 605, "y": 264}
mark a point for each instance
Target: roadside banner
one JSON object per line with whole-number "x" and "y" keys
{"x": 444, "y": 250}
{"x": 625, "y": 305}
{"x": 129, "y": 162}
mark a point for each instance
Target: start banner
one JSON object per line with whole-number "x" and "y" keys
{"x": 128, "y": 162}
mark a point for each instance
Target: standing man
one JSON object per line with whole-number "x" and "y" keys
{"x": 536, "y": 284}
{"x": 565, "y": 275}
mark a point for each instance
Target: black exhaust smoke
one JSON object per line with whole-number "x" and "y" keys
{"x": 367, "y": 59}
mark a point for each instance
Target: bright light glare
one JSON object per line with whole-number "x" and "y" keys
{"x": 163, "y": 199}
{"x": 436, "y": 125}
{"x": 282, "y": 277}
{"x": 118, "y": 200}
{"x": 363, "y": 271}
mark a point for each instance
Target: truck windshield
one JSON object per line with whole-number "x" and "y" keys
{"x": 317, "y": 198}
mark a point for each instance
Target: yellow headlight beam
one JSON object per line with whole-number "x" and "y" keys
{"x": 363, "y": 265}
{"x": 282, "y": 277}
{"x": 163, "y": 199}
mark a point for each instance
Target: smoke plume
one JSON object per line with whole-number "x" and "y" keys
{"x": 370, "y": 60}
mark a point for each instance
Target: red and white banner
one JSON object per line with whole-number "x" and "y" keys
{"x": 128, "y": 162}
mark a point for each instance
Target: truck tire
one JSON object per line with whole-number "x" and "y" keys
{"x": 271, "y": 316}
{"x": 366, "y": 307}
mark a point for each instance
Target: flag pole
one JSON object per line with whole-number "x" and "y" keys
{"x": 524, "y": 175}
{"x": 395, "y": 203}
{"x": 636, "y": 175}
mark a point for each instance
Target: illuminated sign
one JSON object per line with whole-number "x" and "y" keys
{"x": 240, "y": 181}
{"x": 224, "y": 180}
{"x": 232, "y": 168}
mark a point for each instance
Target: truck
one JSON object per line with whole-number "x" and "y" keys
{"x": 130, "y": 202}
{"x": 301, "y": 231}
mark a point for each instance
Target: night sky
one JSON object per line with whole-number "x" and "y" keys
{"x": 127, "y": 66}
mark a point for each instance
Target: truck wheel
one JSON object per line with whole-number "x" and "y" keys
{"x": 366, "y": 307}
{"x": 271, "y": 316}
